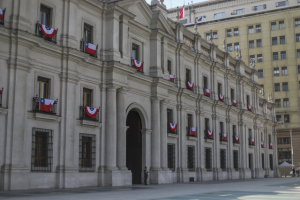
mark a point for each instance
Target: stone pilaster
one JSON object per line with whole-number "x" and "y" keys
{"x": 163, "y": 135}
{"x": 121, "y": 130}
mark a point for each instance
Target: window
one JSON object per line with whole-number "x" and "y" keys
{"x": 235, "y": 160}
{"x": 171, "y": 157}
{"x": 275, "y": 56}
{"x": 250, "y": 133}
{"x": 258, "y": 28}
{"x": 215, "y": 35}
{"x": 236, "y": 32}
{"x": 252, "y": 57}
{"x": 259, "y": 58}
{"x": 188, "y": 75}
{"x": 298, "y": 37}
{"x": 281, "y": 3}
{"x": 285, "y": 86}
{"x": 169, "y": 116}
{"x": 251, "y": 44}
{"x": 189, "y": 120}
{"x": 206, "y": 124}
{"x": 271, "y": 161}
{"x": 208, "y": 159}
{"x": 284, "y": 140}
{"x": 232, "y": 94}
{"x": 283, "y": 56}
{"x": 286, "y": 102}
{"x": 191, "y": 158}
{"x": 278, "y": 118}
{"x": 229, "y": 47}
{"x": 277, "y": 87}
{"x": 248, "y": 99}
{"x": 42, "y": 89}
{"x": 297, "y": 22}
{"x": 250, "y": 161}
{"x": 298, "y": 53}
{"x": 45, "y": 15}
{"x": 250, "y": 29}
{"x": 219, "y": 15}
{"x": 281, "y": 24}
{"x": 258, "y": 43}
{"x": 278, "y": 103}
{"x": 169, "y": 67}
{"x": 282, "y": 39}
{"x": 239, "y": 11}
{"x": 284, "y": 154}
{"x": 287, "y": 119}
{"x": 276, "y": 71}
{"x": 205, "y": 82}
{"x": 263, "y": 161}
{"x": 273, "y": 26}
{"x": 135, "y": 50}
{"x": 236, "y": 46}
{"x": 234, "y": 130}
{"x": 260, "y": 73}
{"x": 229, "y": 34}
{"x": 87, "y": 152}
{"x": 221, "y": 127}
{"x": 219, "y": 88}
{"x": 274, "y": 40}
{"x": 87, "y": 97}
{"x": 87, "y": 33}
{"x": 223, "y": 159}
{"x": 207, "y": 36}
{"x": 42, "y": 149}
{"x": 260, "y": 7}
{"x": 298, "y": 69}
{"x": 283, "y": 70}
{"x": 201, "y": 18}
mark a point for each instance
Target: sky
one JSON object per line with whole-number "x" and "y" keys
{"x": 175, "y": 3}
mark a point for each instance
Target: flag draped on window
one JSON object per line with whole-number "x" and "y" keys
{"x": 234, "y": 102}
{"x": 237, "y": 138}
{"x": 262, "y": 143}
{"x": 47, "y": 31}
{"x": 192, "y": 131}
{"x": 252, "y": 141}
{"x": 1, "y": 14}
{"x": 224, "y": 136}
{"x": 209, "y": 133}
{"x": 221, "y": 97}
{"x": 207, "y": 92}
{"x": 137, "y": 64}
{"x": 91, "y": 112}
{"x": 90, "y": 48}
{"x": 46, "y": 104}
{"x": 271, "y": 146}
{"x": 249, "y": 107}
{"x": 190, "y": 85}
{"x": 173, "y": 126}
{"x": 172, "y": 78}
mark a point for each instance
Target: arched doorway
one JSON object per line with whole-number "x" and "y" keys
{"x": 134, "y": 146}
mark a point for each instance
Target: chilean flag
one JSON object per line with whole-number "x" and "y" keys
{"x": 237, "y": 138}
{"x": 190, "y": 85}
{"x": 91, "y": 112}
{"x": 210, "y": 133}
{"x": 173, "y": 127}
{"x": 46, "y": 104}
{"x": 172, "y": 78}
{"x": 181, "y": 13}
{"x": 137, "y": 64}
{"x": 199, "y": 19}
{"x": 224, "y": 136}
{"x": 249, "y": 107}
{"x": 207, "y": 92}
{"x": 252, "y": 141}
{"x": 234, "y": 102}
{"x": 1, "y": 14}
{"x": 90, "y": 48}
{"x": 262, "y": 143}
{"x": 192, "y": 131}
{"x": 221, "y": 97}
{"x": 271, "y": 146}
{"x": 47, "y": 31}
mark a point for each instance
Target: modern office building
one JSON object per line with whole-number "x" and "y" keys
{"x": 267, "y": 31}
{"x": 89, "y": 99}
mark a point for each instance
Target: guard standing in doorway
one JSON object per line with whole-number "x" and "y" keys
{"x": 145, "y": 176}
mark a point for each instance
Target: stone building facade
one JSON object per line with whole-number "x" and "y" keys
{"x": 66, "y": 148}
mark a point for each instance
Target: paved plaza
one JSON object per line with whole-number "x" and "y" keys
{"x": 271, "y": 188}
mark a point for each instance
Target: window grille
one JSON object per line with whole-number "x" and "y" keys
{"x": 191, "y": 158}
{"x": 223, "y": 159}
{"x": 171, "y": 157}
{"x": 258, "y": 28}
{"x": 271, "y": 161}
{"x": 208, "y": 159}
{"x": 87, "y": 152}
{"x": 263, "y": 161}
{"x": 42, "y": 150}
{"x": 235, "y": 160}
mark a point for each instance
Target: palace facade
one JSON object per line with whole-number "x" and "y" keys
{"x": 109, "y": 87}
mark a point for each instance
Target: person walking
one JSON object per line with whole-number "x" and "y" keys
{"x": 145, "y": 176}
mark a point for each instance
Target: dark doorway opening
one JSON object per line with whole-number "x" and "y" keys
{"x": 134, "y": 146}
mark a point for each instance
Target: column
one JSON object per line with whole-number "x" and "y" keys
{"x": 155, "y": 55}
{"x": 216, "y": 149}
{"x": 111, "y": 129}
{"x": 163, "y": 135}
{"x": 155, "y": 138}
{"x": 121, "y": 130}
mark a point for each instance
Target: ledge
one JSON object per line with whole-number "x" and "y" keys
{"x": 89, "y": 123}
{"x": 192, "y": 138}
{"x": 43, "y": 117}
{"x": 209, "y": 140}
{"x": 3, "y": 111}
{"x": 224, "y": 142}
{"x": 173, "y": 135}
{"x": 251, "y": 146}
{"x": 236, "y": 144}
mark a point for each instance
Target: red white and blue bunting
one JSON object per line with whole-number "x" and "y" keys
{"x": 237, "y": 138}
{"x": 172, "y": 78}
{"x": 234, "y": 102}
{"x": 221, "y": 97}
{"x": 252, "y": 141}
{"x": 271, "y": 146}
{"x": 249, "y": 107}
{"x": 47, "y": 31}
{"x": 262, "y": 143}
{"x": 224, "y": 136}
{"x": 173, "y": 127}
{"x": 192, "y": 131}
{"x": 1, "y": 14}
{"x": 190, "y": 85}
{"x": 207, "y": 92}
{"x": 137, "y": 64}
{"x": 209, "y": 133}
{"x": 91, "y": 112}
